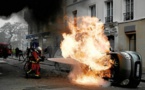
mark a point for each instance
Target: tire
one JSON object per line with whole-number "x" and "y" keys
{"x": 133, "y": 83}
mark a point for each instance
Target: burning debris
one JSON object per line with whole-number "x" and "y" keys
{"x": 88, "y": 45}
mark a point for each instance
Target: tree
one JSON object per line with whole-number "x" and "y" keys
{"x": 2, "y": 37}
{"x": 14, "y": 34}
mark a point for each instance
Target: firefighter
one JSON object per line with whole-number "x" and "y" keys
{"x": 35, "y": 56}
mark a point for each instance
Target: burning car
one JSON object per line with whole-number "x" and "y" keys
{"x": 127, "y": 70}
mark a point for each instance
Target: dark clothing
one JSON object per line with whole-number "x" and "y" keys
{"x": 28, "y": 52}
{"x": 5, "y": 52}
{"x": 17, "y": 52}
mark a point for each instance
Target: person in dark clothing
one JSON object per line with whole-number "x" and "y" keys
{"x": 17, "y": 52}
{"x": 28, "y": 51}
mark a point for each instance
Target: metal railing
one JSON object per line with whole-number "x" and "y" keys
{"x": 128, "y": 16}
{"x": 109, "y": 19}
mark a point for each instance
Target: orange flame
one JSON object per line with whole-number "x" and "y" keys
{"x": 87, "y": 44}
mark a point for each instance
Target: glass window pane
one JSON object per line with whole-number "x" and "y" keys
{"x": 93, "y": 10}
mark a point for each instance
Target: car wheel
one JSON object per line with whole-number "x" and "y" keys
{"x": 133, "y": 83}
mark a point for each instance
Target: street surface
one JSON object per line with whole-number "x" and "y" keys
{"x": 12, "y": 77}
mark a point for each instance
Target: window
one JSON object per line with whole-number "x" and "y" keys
{"x": 75, "y": 17}
{"x": 109, "y": 6}
{"x": 128, "y": 15}
{"x": 93, "y": 10}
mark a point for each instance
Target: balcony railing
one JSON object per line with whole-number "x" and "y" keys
{"x": 109, "y": 19}
{"x": 128, "y": 16}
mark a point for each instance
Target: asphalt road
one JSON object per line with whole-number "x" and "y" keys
{"x": 12, "y": 77}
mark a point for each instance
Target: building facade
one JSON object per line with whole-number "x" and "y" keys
{"x": 123, "y": 20}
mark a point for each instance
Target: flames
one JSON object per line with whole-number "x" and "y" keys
{"x": 88, "y": 45}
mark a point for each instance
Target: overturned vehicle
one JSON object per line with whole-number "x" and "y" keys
{"x": 126, "y": 71}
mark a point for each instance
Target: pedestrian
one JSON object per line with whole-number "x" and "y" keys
{"x": 17, "y": 52}
{"x": 20, "y": 54}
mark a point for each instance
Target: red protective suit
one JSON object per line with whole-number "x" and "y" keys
{"x": 35, "y": 63}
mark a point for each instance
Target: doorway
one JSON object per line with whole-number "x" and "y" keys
{"x": 132, "y": 42}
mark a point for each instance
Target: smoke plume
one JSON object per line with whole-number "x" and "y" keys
{"x": 41, "y": 10}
